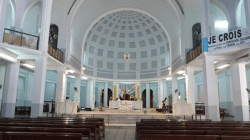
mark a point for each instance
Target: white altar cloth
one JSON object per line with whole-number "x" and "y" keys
{"x": 125, "y": 105}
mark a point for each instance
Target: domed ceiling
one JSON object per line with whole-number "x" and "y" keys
{"x": 126, "y": 33}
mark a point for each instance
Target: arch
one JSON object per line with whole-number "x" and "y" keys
{"x": 144, "y": 98}
{"x": 240, "y": 16}
{"x": 32, "y": 5}
{"x": 222, "y": 7}
{"x": 117, "y": 10}
{"x": 10, "y": 16}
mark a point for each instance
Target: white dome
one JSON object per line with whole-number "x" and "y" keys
{"x": 126, "y": 32}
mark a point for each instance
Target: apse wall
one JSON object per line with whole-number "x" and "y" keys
{"x": 89, "y": 13}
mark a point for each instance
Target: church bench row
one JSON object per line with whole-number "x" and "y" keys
{"x": 95, "y": 135}
{"x": 85, "y": 132}
{"x": 160, "y": 127}
{"x": 100, "y": 121}
{"x": 192, "y": 137}
{"x": 8, "y": 135}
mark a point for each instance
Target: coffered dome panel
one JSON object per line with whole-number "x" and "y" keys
{"x": 126, "y": 32}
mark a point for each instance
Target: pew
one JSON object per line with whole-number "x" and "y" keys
{"x": 41, "y": 136}
{"x": 95, "y": 135}
{"x": 84, "y": 131}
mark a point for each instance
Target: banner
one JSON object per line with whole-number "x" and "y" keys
{"x": 229, "y": 40}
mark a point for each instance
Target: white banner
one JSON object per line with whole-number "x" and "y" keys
{"x": 229, "y": 40}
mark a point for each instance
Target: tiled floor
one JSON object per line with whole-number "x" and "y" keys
{"x": 120, "y": 133}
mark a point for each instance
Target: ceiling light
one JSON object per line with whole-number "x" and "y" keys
{"x": 85, "y": 78}
{"x": 4, "y": 56}
{"x": 29, "y": 66}
{"x": 169, "y": 78}
{"x": 70, "y": 71}
{"x": 223, "y": 66}
{"x": 181, "y": 72}
{"x": 83, "y": 68}
{"x": 221, "y": 24}
{"x": 215, "y": 62}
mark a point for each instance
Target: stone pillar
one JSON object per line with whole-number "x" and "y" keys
{"x": 205, "y": 18}
{"x": 190, "y": 88}
{"x": 138, "y": 91}
{"x": 2, "y": 77}
{"x": 92, "y": 94}
{"x": 165, "y": 90}
{"x": 3, "y": 13}
{"x": 45, "y": 25}
{"x": 174, "y": 88}
{"x": 39, "y": 87}
{"x": 78, "y": 86}
{"x": 240, "y": 95}
{"x": 10, "y": 90}
{"x": 60, "y": 88}
{"x": 210, "y": 89}
{"x": 105, "y": 98}
{"x": 147, "y": 96}
{"x": 160, "y": 93}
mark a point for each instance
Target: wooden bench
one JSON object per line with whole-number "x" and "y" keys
{"x": 41, "y": 136}
{"x": 84, "y": 131}
{"x": 100, "y": 121}
{"x": 95, "y": 135}
{"x": 178, "y": 137}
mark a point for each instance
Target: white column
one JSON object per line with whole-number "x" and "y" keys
{"x": 147, "y": 96}
{"x": 174, "y": 88}
{"x": 45, "y": 25}
{"x": 210, "y": 89}
{"x": 2, "y": 77}
{"x": 190, "y": 88}
{"x": 240, "y": 95}
{"x": 165, "y": 90}
{"x": 205, "y": 18}
{"x": 105, "y": 98}
{"x": 92, "y": 94}
{"x": 3, "y": 13}
{"x": 39, "y": 87}
{"x": 60, "y": 88}
{"x": 88, "y": 93}
{"x": 78, "y": 86}
{"x": 10, "y": 90}
{"x": 160, "y": 93}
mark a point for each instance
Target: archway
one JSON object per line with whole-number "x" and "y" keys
{"x": 110, "y": 93}
{"x": 144, "y": 99}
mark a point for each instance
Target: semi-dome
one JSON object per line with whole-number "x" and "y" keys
{"x": 126, "y": 33}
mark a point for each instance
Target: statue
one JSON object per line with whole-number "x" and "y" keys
{"x": 164, "y": 109}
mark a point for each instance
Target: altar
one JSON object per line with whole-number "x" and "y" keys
{"x": 125, "y": 105}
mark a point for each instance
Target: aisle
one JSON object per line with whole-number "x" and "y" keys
{"x": 120, "y": 133}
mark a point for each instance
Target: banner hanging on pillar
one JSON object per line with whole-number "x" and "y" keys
{"x": 229, "y": 40}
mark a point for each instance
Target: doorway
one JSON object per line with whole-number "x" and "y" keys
{"x": 144, "y": 98}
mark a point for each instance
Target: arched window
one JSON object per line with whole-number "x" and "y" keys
{"x": 10, "y": 17}
{"x": 240, "y": 15}
{"x": 196, "y": 30}
{"x": 218, "y": 20}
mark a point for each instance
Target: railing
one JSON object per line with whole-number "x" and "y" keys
{"x": 194, "y": 53}
{"x": 21, "y": 39}
{"x": 56, "y": 53}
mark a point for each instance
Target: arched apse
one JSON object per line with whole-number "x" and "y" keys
{"x": 32, "y": 19}
{"x": 79, "y": 28}
{"x": 219, "y": 22}
{"x": 241, "y": 15}
{"x": 10, "y": 17}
